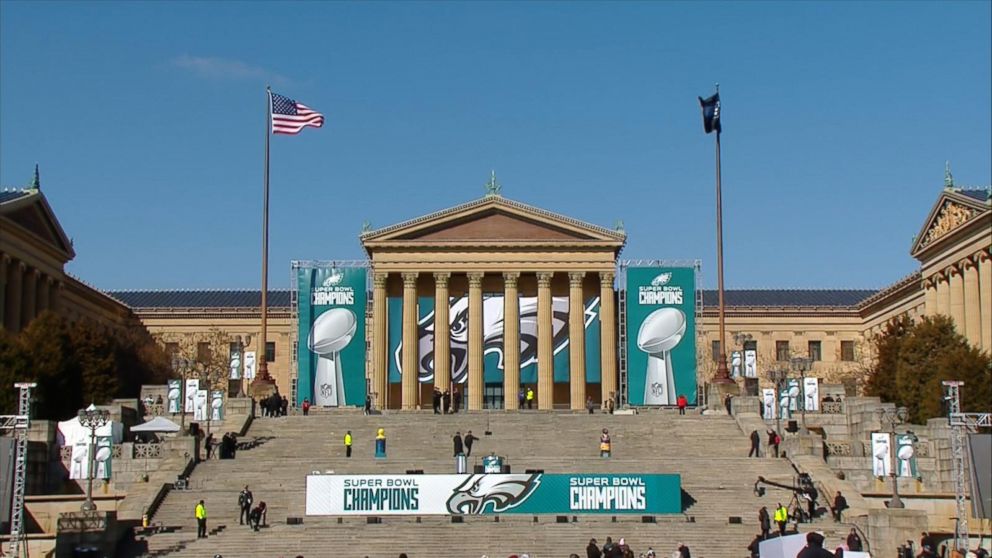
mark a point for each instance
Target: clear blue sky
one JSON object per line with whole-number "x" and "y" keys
{"x": 148, "y": 121}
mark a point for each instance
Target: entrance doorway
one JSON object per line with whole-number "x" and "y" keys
{"x": 492, "y": 397}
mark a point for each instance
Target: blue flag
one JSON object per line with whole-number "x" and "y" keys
{"x": 711, "y": 113}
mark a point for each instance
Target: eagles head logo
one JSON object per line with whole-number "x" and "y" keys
{"x": 492, "y": 334}
{"x": 661, "y": 279}
{"x": 333, "y": 279}
{"x": 491, "y": 493}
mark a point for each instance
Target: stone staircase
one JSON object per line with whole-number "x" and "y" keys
{"x": 709, "y": 452}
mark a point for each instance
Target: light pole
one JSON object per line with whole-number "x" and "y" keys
{"x": 92, "y": 419}
{"x": 181, "y": 366}
{"x": 777, "y": 377}
{"x": 802, "y": 365}
{"x": 893, "y": 417}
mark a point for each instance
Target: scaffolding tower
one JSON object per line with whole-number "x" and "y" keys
{"x": 961, "y": 424}
{"x": 19, "y": 424}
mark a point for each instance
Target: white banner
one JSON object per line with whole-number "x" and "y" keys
{"x": 235, "y": 364}
{"x": 811, "y": 393}
{"x": 216, "y": 405}
{"x": 200, "y": 409}
{"x": 768, "y": 400}
{"x": 881, "y": 455}
{"x": 249, "y": 365}
{"x": 736, "y": 363}
{"x": 192, "y": 386}
{"x": 750, "y": 363}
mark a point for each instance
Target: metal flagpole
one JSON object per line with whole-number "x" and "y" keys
{"x": 263, "y": 367}
{"x": 722, "y": 373}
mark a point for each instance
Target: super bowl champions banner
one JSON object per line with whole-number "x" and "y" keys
{"x": 492, "y": 339}
{"x": 175, "y": 396}
{"x": 881, "y": 458}
{"x": 768, "y": 403}
{"x": 493, "y": 493}
{"x": 331, "y": 364}
{"x": 906, "y": 455}
{"x": 661, "y": 335}
{"x": 811, "y": 394}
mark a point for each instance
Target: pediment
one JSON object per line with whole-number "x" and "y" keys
{"x": 32, "y": 214}
{"x": 493, "y": 219}
{"x": 952, "y": 211}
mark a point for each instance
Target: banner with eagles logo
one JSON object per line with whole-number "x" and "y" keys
{"x": 331, "y": 363}
{"x": 661, "y": 335}
{"x": 493, "y": 493}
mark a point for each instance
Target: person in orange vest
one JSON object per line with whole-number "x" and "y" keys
{"x": 605, "y": 447}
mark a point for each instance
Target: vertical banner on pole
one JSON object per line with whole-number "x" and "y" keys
{"x": 881, "y": 457}
{"x": 736, "y": 364}
{"x": 200, "y": 405}
{"x": 768, "y": 401}
{"x": 249, "y": 365}
{"x": 331, "y": 336}
{"x": 906, "y": 455}
{"x": 784, "y": 408}
{"x": 750, "y": 363}
{"x": 662, "y": 353}
{"x": 234, "y": 362}
{"x": 795, "y": 393}
{"x": 175, "y": 394}
{"x": 811, "y": 394}
{"x": 217, "y": 405}
{"x": 192, "y": 386}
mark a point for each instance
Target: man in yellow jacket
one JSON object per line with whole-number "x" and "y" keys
{"x": 782, "y": 518}
{"x": 201, "y": 520}
{"x": 347, "y": 444}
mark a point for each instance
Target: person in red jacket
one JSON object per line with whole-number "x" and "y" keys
{"x": 682, "y": 402}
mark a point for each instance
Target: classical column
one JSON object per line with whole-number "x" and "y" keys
{"x": 576, "y": 342}
{"x": 957, "y": 297}
{"x": 30, "y": 296}
{"x": 4, "y": 265}
{"x": 607, "y": 336}
{"x": 442, "y": 332}
{"x": 14, "y": 294}
{"x": 545, "y": 349}
{"x": 943, "y": 294}
{"x": 476, "y": 382}
{"x": 380, "y": 345}
{"x": 44, "y": 288}
{"x": 410, "y": 369}
{"x": 972, "y": 302}
{"x": 511, "y": 341}
{"x": 985, "y": 289}
{"x": 930, "y": 296}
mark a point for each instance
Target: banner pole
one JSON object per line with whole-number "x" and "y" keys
{"x": 722, "y": 374}
{"x": 263, "y": 366}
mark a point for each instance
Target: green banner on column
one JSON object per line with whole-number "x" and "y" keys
{"x": 661, "y": 335}
{"x": 331, "y": 367}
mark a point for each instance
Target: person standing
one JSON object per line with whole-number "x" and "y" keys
{"x": 245, "y": 500}
{"x": 530, "y": 398}
{"x": 727, "y": 403}
{"x": 814, "y": 547}
{"x": 368, "y": 405}
{"x": 592, "y": 551}
{"x": 682, "y": 403}
{"x": 765, "y": 522}
{"x": 521, "y": 398}
{"x": 605, "y": 445}
{"x": 812, "y": 494}
{"x": 773, "y": 442}
{"x": 436, "y": 401}
{"x": 589, "y": 404}
{"x": 380, "y": 443}
{"x": 306, "y": 407}
{"x": 854, "y": 541}
{"x": 755, "y": 442}
{"x": 840, "y": 504}
{"x": 684, "y": 551}
{"x": 456, "y": 399}
{"x": 469, "y": 440}
{"x": 208, "y": 442}
{"x": 781, "y": 518}
{"x": 347, "y": 443}
{"x": 201, "y": 520}
{"x": 446, "y": 401}
{"x": 457, "y": 442}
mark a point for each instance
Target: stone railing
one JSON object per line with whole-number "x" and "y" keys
{"x": 832, "y": 407}
{"x": 153, "y": 409}
{"x": 65, "y": 454}
{"x": 838, "y": 448}
{"x": 148, "y": 451}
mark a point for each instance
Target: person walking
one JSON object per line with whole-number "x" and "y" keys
{"x": 765, "y": 521}
{"x": 457, "y": 440}
{"x": 201, "y": 520}
{"x": 347, "y": 443}
{"x": 592, "y": 551}
{"x": 521, "y": 398}
{"x": 840, "y": 504}
{"x": 683, "y": 551}
{"x": 530, "y": 398}
{"x": 469, "y": 440}
{"x": 854, "y": 541}
{"x": 781, "y": 518}
{"x": 727, "y": 402}
{"x": 257, "y": 516}
{"x": 755, "y": 442}
{"x": 368, "y": 405}
{"x": 773, "y": 441}
{"x": 590, "y": 405}
{"x": 682, "y": 403}
{"x": 306, "y": 407}
{"x": 245, "y": 500}
{"x": 208, "y": 443}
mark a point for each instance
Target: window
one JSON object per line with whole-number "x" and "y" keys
{"x": 716, "y": 351}
{"x": 751, "y": 346}
{"x": 203, "y": 351}
{"x": 270, "y": 351}
{"x": 847, "y": 351}
{"x": 782, "y": 352}
{"x": 815, "y": 353}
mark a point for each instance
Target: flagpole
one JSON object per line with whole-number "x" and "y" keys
{"x": 722, "y": 373}
{"x": 263, "y": 367}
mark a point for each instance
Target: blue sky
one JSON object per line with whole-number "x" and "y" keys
{"x": 148, "y": 122}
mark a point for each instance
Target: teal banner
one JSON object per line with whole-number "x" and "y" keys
{"x": 661, "y": 335}
{"x": 331, "y": 364}
{"x": 492, "y": 338}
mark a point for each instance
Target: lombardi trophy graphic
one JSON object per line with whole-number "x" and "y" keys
{"x": 331, "y": 333}
{"x": 660, "y": 332}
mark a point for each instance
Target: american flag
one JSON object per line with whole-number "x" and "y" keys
{"x": 289, "y": 117}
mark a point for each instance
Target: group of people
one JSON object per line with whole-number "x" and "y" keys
{"x": 621, "y": 549}
{"x": 445, "y": 402}
{"x": 774, "y": 440}
{"x": 464, "y": 445}
{"x": 274, "y": 405}
{"x": 254, "y": 516}
{"x": 814, "y": 545}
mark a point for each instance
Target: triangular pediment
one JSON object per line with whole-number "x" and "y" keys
{"x": 493, "y": 219}
{"x": 31, "y": 213}
{"x": 952, "y": 211}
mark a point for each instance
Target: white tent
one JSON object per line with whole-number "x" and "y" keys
{"x": 76, "y": 436}
{"x": 789, "y": 546}
{"x": 157, "y": 424}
